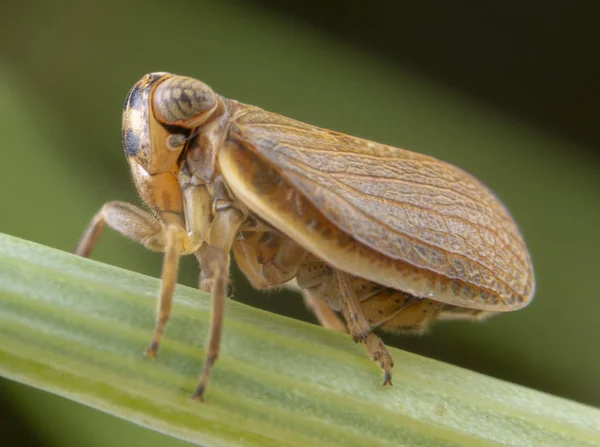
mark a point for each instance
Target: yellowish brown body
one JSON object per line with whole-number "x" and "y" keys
{"x": 385, "y": 237}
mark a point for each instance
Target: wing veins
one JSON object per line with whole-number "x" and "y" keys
{"x": 369, "y": 217}
{"x": 422, "y": 184}
{"x": 508, "y": 248}
{"x": 405, "y": 205}
{"x": 380, "y": 199}
{"x": 425, "y": 159}
{"x": 337, "y": 175}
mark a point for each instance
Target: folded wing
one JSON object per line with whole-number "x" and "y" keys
{"x": 408, "y": 206}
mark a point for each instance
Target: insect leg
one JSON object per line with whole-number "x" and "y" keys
{"x": 245, "y": 256}
{"x": 314, "y": 278}
{"x": 197, "y": 214}
{"x": 176, "y": 239}
{"x": 196, "y": 206}
{"x": 127, "y": 219}
{"x": 214, "y": 277}
{"x": 358, "y": 325}
{"x": 282, "y": 266}
{"x": 267, "y": 258}
{"x": 323, "y": 312}
{"x": 166, "y": 234}
{"x": 379, "y": 353}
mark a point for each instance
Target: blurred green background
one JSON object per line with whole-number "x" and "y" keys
{"x": 65, "y": 67}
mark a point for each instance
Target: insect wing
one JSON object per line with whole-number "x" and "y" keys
{"x": 405, "y": 205}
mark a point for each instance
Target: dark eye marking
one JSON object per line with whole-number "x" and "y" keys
{"x": 134, "y": 98}
{"x": 131, "y": 143}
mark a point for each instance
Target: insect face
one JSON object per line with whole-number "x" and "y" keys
{"x": 158, "y": 117}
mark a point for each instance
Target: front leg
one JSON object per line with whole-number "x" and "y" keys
{"x": 166, "y": 234}
{"x": 214, "y": 277}
{"x": 129, "y": 220}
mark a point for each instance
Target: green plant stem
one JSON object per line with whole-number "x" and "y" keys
{"x": 77, "y": 328}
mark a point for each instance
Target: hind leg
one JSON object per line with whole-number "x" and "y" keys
{"x": 379, "y": 353}
{"x": 269, "y": 259}
{"x": 327, "y": 317}
{"x": 345, "y": 293}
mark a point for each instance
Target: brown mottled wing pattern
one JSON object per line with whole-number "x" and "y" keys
{"x": 408, "y": 206}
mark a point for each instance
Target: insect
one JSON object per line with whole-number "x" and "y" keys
{"x": 384, "y": 237}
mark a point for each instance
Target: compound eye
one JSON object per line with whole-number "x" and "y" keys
{"x": 183, "y": 101}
